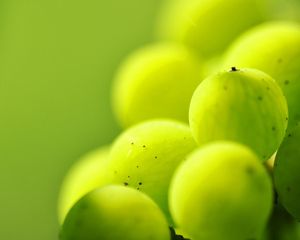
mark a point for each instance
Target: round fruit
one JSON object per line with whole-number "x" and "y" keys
{"x": 89, "y": 173}
{"x": 242, "y": 105}
{"x": 115, "y": 212}
{"x": 145, "y": 156}
{"x": 274, "y": 48}
{"x": 208, "y": 26}
{"x": 286, "y": 173}
{"x": 156, "y": 82}
{"x": 221, "y": 192}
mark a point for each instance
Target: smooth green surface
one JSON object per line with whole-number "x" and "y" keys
{"x": 208, "y": 26}
{"x": 286, "y": 172}
{"x": 281, "y": 59}
{"x": 156, "y": 81}
{"x": 221, "y": 192}
{"x": 57, "y": 59}
{"x": 242, "y": 105}
{"x": 286, "y": 9}
{"x": 145, "y": 157}
{"x": 88, "y": 173}
{"x": 113, "y": 213}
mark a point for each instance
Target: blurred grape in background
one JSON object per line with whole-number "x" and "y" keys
{"x": 57, "y": 59}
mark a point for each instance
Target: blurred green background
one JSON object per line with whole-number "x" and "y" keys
{"x": 57, "y": 60}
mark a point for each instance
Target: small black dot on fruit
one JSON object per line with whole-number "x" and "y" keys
{"x": 115, "y": 172}
{"x": 268, "y": 88}
{"x": 144, "y": 146}
{"x": 155, "y": 157}
{"x": 273, "y": 128}
{"x": 250, "y": 170}
{"x": 225, "y": 87}
{"x": 233, "y": 69}
{"x": 132, "y": 143}
{"x": 286, "y": 82}
{"x": 128, "y": 176}
{"x": 126, "y": 184}
{"x": 288, "y": 189}
{"x": 140, "y": 183}
{"x": 260, "y": 98}
{"x": 137, "y": 166}
{"x": 137, "y": 188}
{"x": 289, "y": 135}
{"x": 279, "y": 60}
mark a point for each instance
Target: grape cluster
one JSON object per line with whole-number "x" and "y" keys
{"x": 211, "y": 142}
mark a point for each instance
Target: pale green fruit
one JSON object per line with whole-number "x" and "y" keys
{"x": 208, "y": 26}
{"x": 145, "y": 156}
{"x": 274, "y": 48}
{"x": 242, "y": 105}
{"x": 156, "y": 81}
{"x": 221, "y": 192}
{"x": 115, "y": 212}
{"x": 287, "y": 173}
{"x": 88, "y": 173}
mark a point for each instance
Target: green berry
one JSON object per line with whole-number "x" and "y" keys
{"x": 156, "y": 81}
{"x": 242, "y": 105}
{"x": 208, "y": 26}
{"x": 286, "y": 173}
{"x": 221, "y": 192}
{"x": 115, "y": 212}
{"x": 272, "y": 47}
{"x": 145, "y": 156}
{"x": 89, "y": 173}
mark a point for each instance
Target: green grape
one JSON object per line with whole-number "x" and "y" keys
{"x": 281, "y": 226}
{"x": 243, "y": 105}
{"x": 208, "y": 26}
{"x": 156, "y": 81}
{"x": 221, "y": 192}
{"x": 115, "y": 212}
{"x": 88, "y": 173}
{"x": 145, "y": 156}
{"x": 274, "y": 48}
{"x": 286, "y": 173}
